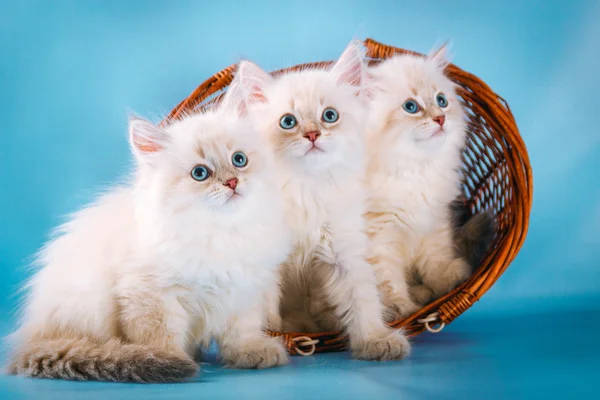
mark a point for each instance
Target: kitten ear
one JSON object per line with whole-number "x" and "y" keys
{"x": 441, "y": 57}
{"x": 146, "y": 138}
{"x": 248, "y": 87}
{"x": 351, "y": 68}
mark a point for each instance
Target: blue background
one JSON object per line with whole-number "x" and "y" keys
{"x": 71, "y": 71}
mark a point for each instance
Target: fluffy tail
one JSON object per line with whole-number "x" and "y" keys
{"x": 115, "y": 361}
{"x": 474, "y": 234}
{"x": 474, "y": 238}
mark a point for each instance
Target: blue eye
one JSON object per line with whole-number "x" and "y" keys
{"x": 411, "y": 106}
{"x": 330, "y": 115}
{"x": 288, "y": 121}
{"x": 239, "y": 159}
{"x": 442, "y": 100}
{"x": 200, "y": 173}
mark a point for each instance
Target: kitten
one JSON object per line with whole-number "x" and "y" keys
{"x": 135, "y": 282}
{"x": 314, "y": 120}
{"x": 417, "y": 130}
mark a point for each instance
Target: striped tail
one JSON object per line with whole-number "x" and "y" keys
{"x": 114, "y": 361}
{"x": 475, "y": 237}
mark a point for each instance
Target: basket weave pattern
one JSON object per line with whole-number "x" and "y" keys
{"x": 496, "y": 176}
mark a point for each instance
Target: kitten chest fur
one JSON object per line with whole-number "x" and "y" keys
{"x": 313, "y": 203}
{"x": 225, "y": 268}
{"x": 417, "y": 196}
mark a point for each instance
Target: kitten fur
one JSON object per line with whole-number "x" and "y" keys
{"x": 324, "y": 197}
{"x": 413, "y": 177}
{"x": 133, "y": 284}
{"x": 473, "y": 234}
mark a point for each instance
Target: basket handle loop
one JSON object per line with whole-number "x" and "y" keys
{"x": 304, "y": 341}
{"x": 432, "y": 322}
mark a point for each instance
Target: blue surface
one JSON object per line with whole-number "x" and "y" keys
{"x": 70, "y": 72}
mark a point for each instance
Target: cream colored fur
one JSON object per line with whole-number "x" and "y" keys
{"x": 413, "y": 176}
{"x": 134, "y": 283}
{"x": 324, "y": 196}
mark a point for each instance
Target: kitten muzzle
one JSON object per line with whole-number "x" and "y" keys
{"x": 312, "y": 135}
{"x": 232, "y": 183}
{"x": 439, "y": 119}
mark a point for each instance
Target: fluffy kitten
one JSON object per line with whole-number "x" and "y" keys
{"x": 314, "y": 120}
{"x": 135, "y": 282}
{"x": 417, "y": 129}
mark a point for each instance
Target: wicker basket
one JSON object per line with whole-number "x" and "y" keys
{"x": 497, "y": 177}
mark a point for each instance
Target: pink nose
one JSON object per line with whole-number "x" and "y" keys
{"x": 312, "y": 135}
{"x": 440, "y": 120}
{"x": 232, "y": 183}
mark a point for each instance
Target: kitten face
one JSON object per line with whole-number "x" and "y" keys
{"x": 214, "y": 164}
{"x": 310, "y": 117}
{"x": 418, "y": 101}
{"x": 210, "y": 161}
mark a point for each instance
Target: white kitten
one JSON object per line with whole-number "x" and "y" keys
{"x": 416, "y": 134}
{"x": 314, "y": 120}
{"x": 134, "y": 283}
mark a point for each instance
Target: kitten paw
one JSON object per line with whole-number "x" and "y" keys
{"x": 399, "y": 309}
{"x": 264, "y": 353}
{"x": 421, "y": 294}
{"x": 456, "y": 273}
{"x": 393, "y": 345}
{"x": 448, "y": 278}
{"x": 459, "y": 271}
